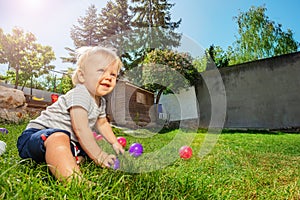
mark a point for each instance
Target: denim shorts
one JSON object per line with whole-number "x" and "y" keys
{"x": 31, "y": 144}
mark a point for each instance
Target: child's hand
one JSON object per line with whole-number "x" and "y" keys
{"x": 118, "y": 148}
{"x": 106, "y": 160}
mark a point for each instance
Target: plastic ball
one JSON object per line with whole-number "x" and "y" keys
{"x": 185, "y": 152}
{"x": 97, "y": 136}
{"x": 117, "y": 164}
{"x": 4, "y": 130}
{"x": 122, "y": 141}
{"x": 136, "y": 149}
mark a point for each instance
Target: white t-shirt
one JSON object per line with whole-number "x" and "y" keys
{"x": 58, "y": 116}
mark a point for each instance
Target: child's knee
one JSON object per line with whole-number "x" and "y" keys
{"x": 58, "y": 138}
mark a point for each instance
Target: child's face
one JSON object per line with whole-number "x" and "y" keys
{"x": 100, "y": 80}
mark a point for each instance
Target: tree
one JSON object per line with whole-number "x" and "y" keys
{"x": 12, "y": 49}
{"x": 155, "y": 27}
{"x": 66, "y": 84}
{"x": 36, "y": 62}
{"x": 165, "y": 71}
{"x": 259, "y": 37}
{"x": 115, "y": 23}
{"x": 72, "y": 56}
{"x": 153, "y": 13}
{"x": 148, "y": 27}
{"x": 114, "y": 19}
{"x": 2, "y": 38}
{"x": 87, "y": 32}
{"x": 100, "y": 29}
{"x": 23, "y": 54}
{"x": 218, "y": 56}
{"x": 200, "y": 63}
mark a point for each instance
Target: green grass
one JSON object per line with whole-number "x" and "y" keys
{"x": 240, "y": 166}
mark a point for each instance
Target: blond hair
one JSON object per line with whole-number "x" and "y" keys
{"x": 108, "y": 56}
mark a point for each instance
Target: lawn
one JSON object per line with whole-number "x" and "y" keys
{"x": 240, "y": 166}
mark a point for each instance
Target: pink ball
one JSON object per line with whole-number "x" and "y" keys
{"x": 122, "y": 141}
{"x": 185, "y": 152}
{"x": 97, "y": 136}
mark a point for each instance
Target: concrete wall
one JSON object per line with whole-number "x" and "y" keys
{"x": 261, "y": 94}
{"x": 180, "y": 106}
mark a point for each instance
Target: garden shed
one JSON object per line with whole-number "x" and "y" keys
{"x": 131, "y": 106}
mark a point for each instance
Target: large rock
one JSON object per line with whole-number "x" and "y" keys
{"x": 12, "y": 105}
{"x": 11, "y": 98}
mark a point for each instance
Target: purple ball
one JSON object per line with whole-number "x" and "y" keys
{"x": 136, "y": 149}
{"x": 4, "y": 130}
{"x": 117, "y": 164}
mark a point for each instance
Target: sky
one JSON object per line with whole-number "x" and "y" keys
{"x": 203, "y": 22}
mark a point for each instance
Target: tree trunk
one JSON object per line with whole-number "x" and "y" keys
{"x": 159, "y": 95}
{"x": 17, "y": 77}
{"x": 24, "y": 85}
{"x": 31, "y": 86}
{"x": 8, "y": 68}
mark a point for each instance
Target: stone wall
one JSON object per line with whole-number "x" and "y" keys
{"x": 264, "y": 94}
